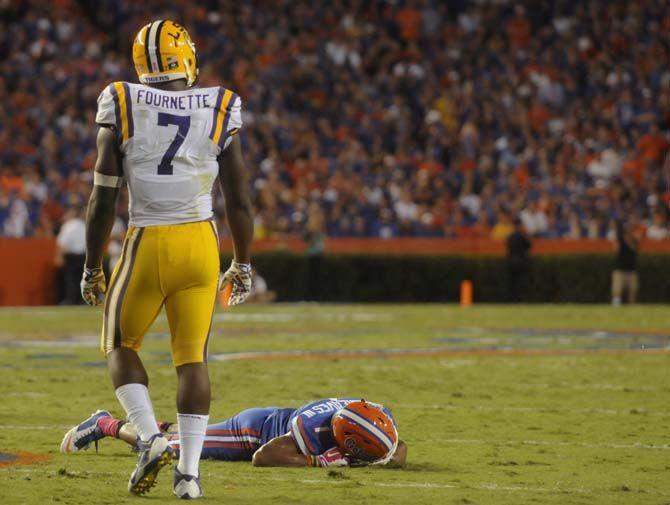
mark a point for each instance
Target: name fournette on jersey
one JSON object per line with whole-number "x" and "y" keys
{"x": 187, "y": 102}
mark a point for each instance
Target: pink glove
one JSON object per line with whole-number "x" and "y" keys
{"x": 332, "y": 457}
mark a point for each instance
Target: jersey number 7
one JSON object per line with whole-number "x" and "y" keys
{"x": 183, "y": 123}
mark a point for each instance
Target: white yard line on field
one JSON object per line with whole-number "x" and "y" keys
{"x": 279, "y": 317}
{"x": 80, "y": 341}
{"x": 35, "y": 427}
{"x": 459, "y": 441}
{"x": 485, "y": 486}
{"x": 636, "y": 411}
{"x": 549, "y": 443}
{"x": 351, "y": 479}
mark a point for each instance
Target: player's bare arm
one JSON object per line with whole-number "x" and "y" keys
{"x": 235, "y": 181}
{"x": 282, "y": 451}
{"x": 100, "y": 214}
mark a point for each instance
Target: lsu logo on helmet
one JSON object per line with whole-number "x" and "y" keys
{"x": 163, "y": 51}
{"x": 363, "y": 430}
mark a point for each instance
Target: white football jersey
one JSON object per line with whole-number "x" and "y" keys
{"x": 170, "y": 141}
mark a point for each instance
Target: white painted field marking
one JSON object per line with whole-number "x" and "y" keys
{"x": 577, "y": 387}
{"x": 35, "y": 427}
{"x": 279, "y": 317}
{"x": 659, "y": 447}
{"x": 267, "y": 317}
{"x": 329, "y": 353}
{"x": 462, "y": 441}
{"x": 456, "y": 363}
{"x": 484, "y": 486}
{"x": 83, "y": 341}
{"x": 364, "y": 317}
{"x": 46, "y": 311}
{"x": 636, "y": 411}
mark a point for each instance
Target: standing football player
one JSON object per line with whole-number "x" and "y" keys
{"x": 168, "y": 139}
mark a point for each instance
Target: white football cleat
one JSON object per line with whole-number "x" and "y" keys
{"x": 154, "y": 455}
{"x": 186, "y": 487}
{"x": 81, "y": 436}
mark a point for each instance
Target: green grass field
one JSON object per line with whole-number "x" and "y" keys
{"x": 505, "y": 405}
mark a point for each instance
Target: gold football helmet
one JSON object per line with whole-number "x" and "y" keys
{"x": 163, "y": 51}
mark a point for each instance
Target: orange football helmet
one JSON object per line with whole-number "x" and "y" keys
{"x": 364, "y": 431}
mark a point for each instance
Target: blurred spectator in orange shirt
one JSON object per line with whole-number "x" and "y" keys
{"x": 431, "y": 166}
{"x": 409, "y": 22}
{"x": 634, "y": 170}
{"x": 481, "y": 228}
{"x": 652, "y": 146}
{"x": 518, "y": 28}
{"x": 538, "y": 115}
{"x": 11, "y": 182}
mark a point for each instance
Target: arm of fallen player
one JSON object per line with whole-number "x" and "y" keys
{"x": 399, "y": 456}
{"x": 280, "y": 451}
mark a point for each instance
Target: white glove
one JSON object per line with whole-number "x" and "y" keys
{"x": 93, "y": 286}
{"x": 239, "y": 275}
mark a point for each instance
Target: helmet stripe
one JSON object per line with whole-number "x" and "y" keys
{"x": 158, "y": 46}
{"x": 368, "y": 426}
{"x": 153, "y": 44}
{"x": 146, "y": 47}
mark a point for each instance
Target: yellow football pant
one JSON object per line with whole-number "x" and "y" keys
{"x": 173, "y": 265}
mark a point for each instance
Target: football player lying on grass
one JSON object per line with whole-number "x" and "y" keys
{"x": 329, "y": 432}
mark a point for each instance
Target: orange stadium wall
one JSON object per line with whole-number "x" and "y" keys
{"x": 28, "y": 273}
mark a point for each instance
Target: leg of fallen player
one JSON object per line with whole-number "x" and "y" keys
{"x": 128, "y": 434}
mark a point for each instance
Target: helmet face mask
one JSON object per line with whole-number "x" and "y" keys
{"x": 365, "y": 432}
{"x": 162, "y": 52}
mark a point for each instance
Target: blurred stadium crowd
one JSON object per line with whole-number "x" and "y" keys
{"x": 370, "y": 118}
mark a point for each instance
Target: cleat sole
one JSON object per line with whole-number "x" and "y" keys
{"x": 149, "y": 480}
